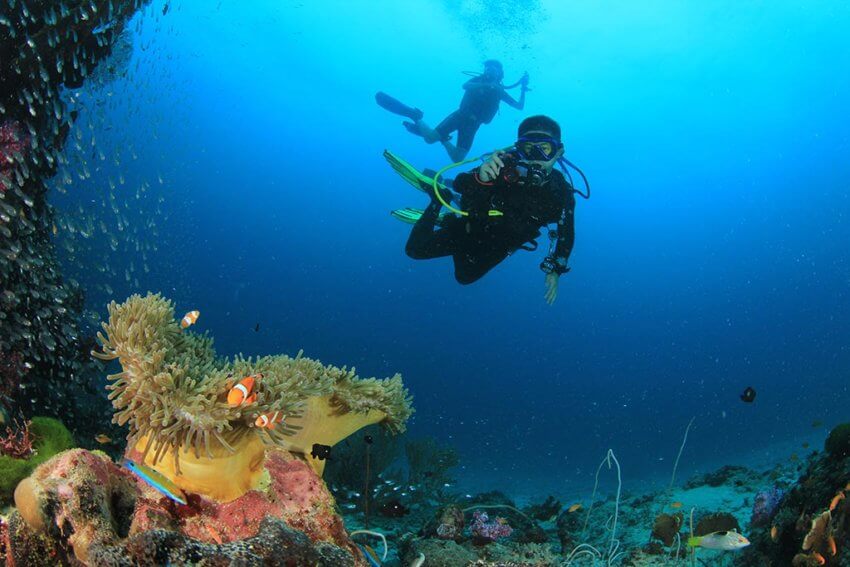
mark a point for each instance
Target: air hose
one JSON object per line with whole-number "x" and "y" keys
{"x": 436, "y": 184}
{"x": 563, "y": 162}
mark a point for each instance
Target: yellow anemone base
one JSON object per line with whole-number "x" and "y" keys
{"x": 224, "y": 477}
{"x": 323, "y": 423}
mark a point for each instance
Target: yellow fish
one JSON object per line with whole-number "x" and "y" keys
{"x": 574, "y": 508}
{"x": 102, "y": 439}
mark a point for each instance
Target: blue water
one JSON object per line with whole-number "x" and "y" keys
{"x": 712, "y": 256}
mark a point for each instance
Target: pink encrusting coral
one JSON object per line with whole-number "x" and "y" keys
{"x": 294, "y": 494}
{"x": 485, "y": 531}
{"x": 13, "y": 142}
{"x": 106, "y": 509}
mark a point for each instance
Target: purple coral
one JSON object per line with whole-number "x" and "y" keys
{"x": 765, "y": 506}
{"x": 485, "y": 531}
{"x": 13, "y": 141}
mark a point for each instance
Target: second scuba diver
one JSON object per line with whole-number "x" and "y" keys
{"x": 504, "y": 203}
{"x": 481, "y": 99}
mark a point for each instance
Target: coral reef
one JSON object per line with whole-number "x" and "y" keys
{"x": 44, "y": 51}
{"x": 81, "y": 505}
{"x": 449, "y": 524}
{"x": 730, "y": 475}
{"x": 448, "y": 553}
{"x": 484, "y": 530}
{"x": 14, "y": 142}
{"x": 546, "y": 510}
{"x": 837, "y": 444}
{"x": 569, "y": 525}
{"x": 810, "y": 525}
{"x": 765, "y": 505}
{"x": 49, "y": 437}
{"x": 172, "y": 393}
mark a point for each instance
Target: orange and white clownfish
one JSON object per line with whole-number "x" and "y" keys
{"x": 189, "y": 318}
{"x": 243, "y": 392}
{"x": 268, "y": 420}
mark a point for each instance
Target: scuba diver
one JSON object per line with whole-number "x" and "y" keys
{"x": 479, "y": 105}
{"x": 503, "y": 204}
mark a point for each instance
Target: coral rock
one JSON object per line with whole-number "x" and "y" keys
{"x": 275, "y": 544}
{"x": 546, "y": 510}
{"x": 83, "y": 502}
{"x": 448, "y": 524}
{"x": 78, "y": 493}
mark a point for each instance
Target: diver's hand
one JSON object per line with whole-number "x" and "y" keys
{"x": 524, "y": 81}
{"x": 551, "y": 288}
{"x": 491, "y": 168}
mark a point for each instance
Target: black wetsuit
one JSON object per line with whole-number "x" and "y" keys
{"x": 478, "y": 106}
{"x": 478, "y": 242}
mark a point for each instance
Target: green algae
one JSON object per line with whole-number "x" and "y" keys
{"x": 50, "y": 437}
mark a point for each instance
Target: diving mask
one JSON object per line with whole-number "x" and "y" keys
{"x": 537, "y": 148}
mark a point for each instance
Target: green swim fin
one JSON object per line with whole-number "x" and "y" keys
{"x": 413, "y": 176}
{"x": 410, "y": 216}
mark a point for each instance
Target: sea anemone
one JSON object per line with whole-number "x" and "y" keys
{"x": 172, "y": 393}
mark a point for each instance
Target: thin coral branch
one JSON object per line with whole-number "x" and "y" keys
{"x": 18, "y": 441}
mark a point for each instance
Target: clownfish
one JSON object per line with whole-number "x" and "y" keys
{"x": 189, "y": 318}
{"x": 243, "y": 392}
{"x": 268, "y": 420}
